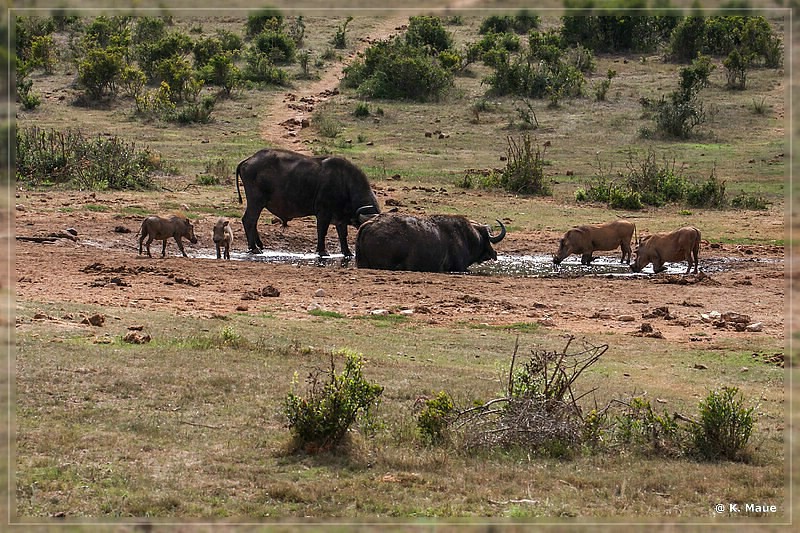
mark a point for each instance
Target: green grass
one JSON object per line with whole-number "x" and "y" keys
{"x": 136, "y": 437}
{"x": 326, "y": 314}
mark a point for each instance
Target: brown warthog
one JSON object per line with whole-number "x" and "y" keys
{"x": 223, "y": 237}
{"x": 155, "y": 227}
{"x": 586, "y": 239}
{"x": 679, "y": 245}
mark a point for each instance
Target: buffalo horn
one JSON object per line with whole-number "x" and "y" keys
{"x": 494, "y": 239}
{"x": 363, "y": 218}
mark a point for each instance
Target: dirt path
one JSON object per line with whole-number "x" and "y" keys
{"x": 285, "y": 117}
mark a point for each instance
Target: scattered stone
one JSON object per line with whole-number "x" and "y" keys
{"x": 191, "y": 300}
{"x": 72, "y": 231}
{"x": 745, "y": 369}
{"x": 380, "y": 312}
{"x": 626, "y": 318}
{"x": 659, "y": 312}
{"x": 546, "y": 321}
{"x": 736, "y": 318}
{"x": 239, "y": 307}
{"x": 700, "y": 366}
{"x": 137, "y": 327}
{"x": 134, "y": 337}
{"x": 270, "y": 292}
{"x": 96, "y": 320}
{"x": 21, "y": 207}
{"x": 320, "y": 293}
{"x": 754, "y": 327}
{"x": 646, "y": 328}
{"x": 711, "y": 317}
{"x": 407, "y": 312}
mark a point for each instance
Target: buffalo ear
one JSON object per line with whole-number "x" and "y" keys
{"x": 224, "y": 224}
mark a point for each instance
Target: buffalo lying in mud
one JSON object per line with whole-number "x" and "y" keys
{"x": 586, "y": 239}
{"x": 679, "y": 245}
{"x": 292, "y": 185}
{"x": 155, "y": 227}
{"x": 438, "y": 243}
{"x": 223, "y": 238}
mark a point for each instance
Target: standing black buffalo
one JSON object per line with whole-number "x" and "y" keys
{"x": 292, "y": 185}
{"x": 438, "y": 243}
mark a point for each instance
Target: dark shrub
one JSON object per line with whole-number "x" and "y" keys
{"x": 426, "y": 31}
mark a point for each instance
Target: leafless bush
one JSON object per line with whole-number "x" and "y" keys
{"x": 540, "y": 410}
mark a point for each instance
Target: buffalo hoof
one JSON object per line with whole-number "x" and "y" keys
{"x": 254, "y": 251}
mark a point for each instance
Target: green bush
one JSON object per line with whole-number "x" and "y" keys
{"x": 710, "y": 193}
{"x": 393, "y": 69}
{"x": 172, "y": 46}
{"x": 719, "y": 36}
{"x": 361, "y": 110}
{"x": 222, "y": 72}
{"x": 148, "y": 30}
{"x": 178, "y": 74}
{"x": 194, "y": 112}
{"x": 725, "y": 425}
{"x": 747, "y": 201}
{"x": 107, "y": 32}
{"x": 521, "y": 23}
{"x": 736, "y": 66}
{"x": 619, "y": 198}
{"x": 278, "y": 46}
{"x": 260, "y": 69}
{"x": 99, "y": 70}
{"x": 340, "y": 37}
{"x": 524, "y": 170}
{"x": 266, "y": 19}
{"x": 677, "y": 114}
{"x": 615, "y": 34}
{"x": 52, "y": 157}
{"x": 428, "y": 31}
{"x": 333, "y": 403}
{"x": 29, "y": 29}
{"x": 434, "y": 418}
{"x": 640, "y": 426}
{"x": 544, "y": 71}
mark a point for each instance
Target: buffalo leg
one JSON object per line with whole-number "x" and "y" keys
{"x": 250, "y": 223}
{"x": 164, "y": 248}
{"x": 140, "y": 243}
{"x": 180, "y": 246}
{"x": 586, "y": 259}
{"x": 147, "y": 245}
{"x": 322, "y": 232}
{"x": 219, "y": 255}
{"x": 341, "y": 230}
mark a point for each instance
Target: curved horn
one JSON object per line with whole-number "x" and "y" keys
{"x": 362, "y": 217}
{"x": 494, "y": 239}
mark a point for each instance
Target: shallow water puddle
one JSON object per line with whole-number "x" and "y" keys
{"x": 505, "y": 265}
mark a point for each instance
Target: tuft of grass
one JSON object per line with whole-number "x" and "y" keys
{"x": 326, "y": 314}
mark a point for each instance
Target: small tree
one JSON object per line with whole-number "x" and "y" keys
{"x": 736, "y": 66}
{"x": 725, "y": 425}
{"x": 334, "y": 402}
{"x": 99, "y": 70}
{"x": 340, "y": 37}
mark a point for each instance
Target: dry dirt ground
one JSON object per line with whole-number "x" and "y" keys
{"x": 102, "y": 267}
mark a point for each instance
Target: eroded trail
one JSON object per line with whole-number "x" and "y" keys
{"x": 287, "y": 115}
